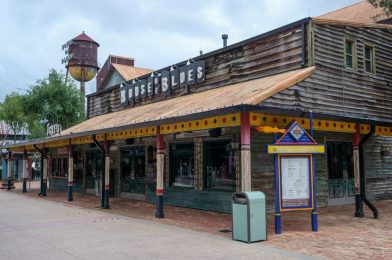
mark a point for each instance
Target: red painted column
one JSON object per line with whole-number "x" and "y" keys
{"x": 107, "y": 174}
{"x": 160, "y": 173}
{"x": 24, "y": 171}
{"x": 357, "y": 184}
{"x": 70, "y": 172}
{"x": 246, "y": 183}
{"x": 9, "y": 173}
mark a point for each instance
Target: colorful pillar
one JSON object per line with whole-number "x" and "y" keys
{"x": 9, "y": 173}
{"x": 357, "y": 185}
{"x": 44, "y": 172}
{"x": 245, "y": 153}
{"x": 25, "y": 171}
{"x": 107, "y": 175}
{"x": 314, "y": 217}
{"x": 160, "y": 173}
{"x": 70, "y": 172}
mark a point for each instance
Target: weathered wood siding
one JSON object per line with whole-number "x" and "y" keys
{"x": 336, "y": 90}
{"x": 259, "y": 58}
{"x": 378, "y": 167}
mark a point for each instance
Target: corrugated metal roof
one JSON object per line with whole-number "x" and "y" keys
{"x": 362, "y": 12}
{"x": 84, "y": 37}
{"x": 251, "y": 92}
{"x": 130, "y": 72}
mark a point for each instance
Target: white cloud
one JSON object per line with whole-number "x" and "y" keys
{"x": 156, "y": 33}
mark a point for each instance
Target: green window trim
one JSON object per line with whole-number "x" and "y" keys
{"x": 369, "y": 64}
{"x": 350, "y": 54}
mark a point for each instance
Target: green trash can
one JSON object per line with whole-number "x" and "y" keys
{"x": 249, "y": 219}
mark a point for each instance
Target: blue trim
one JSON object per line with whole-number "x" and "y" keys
{"x": 311, "y": 193}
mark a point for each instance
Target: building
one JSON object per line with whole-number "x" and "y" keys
{"x": 186, "y": 134}
{"x": 7, "y": 137}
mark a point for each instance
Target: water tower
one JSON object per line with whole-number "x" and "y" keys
{"x": 81, "y": 59}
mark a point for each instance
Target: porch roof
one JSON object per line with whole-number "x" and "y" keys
{"x": 251, "y": 92}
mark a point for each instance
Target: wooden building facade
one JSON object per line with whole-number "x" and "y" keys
{"x": 192, "y": 141}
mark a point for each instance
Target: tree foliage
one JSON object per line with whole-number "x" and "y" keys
{"x": 12, "y": 112}
{"x": 50, "y": 98}
{"x": 386, "y": 6}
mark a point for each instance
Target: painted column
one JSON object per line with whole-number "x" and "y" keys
{"x": 70, "y": 172}
{"x": 107, "y": 175}
{"x": 357, "y": 186}
{"x": 314, "y": 216}
{"x": 9, "y": 173}
{"x": 245, "y": 153}
{"x": 44, "y": 172}
{"x": 160, "y": 173}
{"x": 24, "y": 171}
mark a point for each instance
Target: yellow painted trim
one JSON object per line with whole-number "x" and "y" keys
{"x": 132, "y": 133}
{"x": 295, "y": 149}
{"x": 202, "y": 124}
{"x": 258, "y": 119}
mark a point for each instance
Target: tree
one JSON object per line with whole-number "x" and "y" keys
{"x": 12, "y": 112}
{"x": 386, "y": 6}
{"x": 52, "y": 99}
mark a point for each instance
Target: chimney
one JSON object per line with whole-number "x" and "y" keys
{"x": 225, "y": 37}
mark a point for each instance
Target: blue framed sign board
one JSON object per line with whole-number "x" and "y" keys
{"x": 295, "y": 187}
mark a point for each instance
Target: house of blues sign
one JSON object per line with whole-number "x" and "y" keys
{"x": 163, "y": 83}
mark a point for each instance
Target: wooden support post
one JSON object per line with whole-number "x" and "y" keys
{"x": 357, "y": 185}
{"x": 44, "y": 172}
{"x": 24, "y": 171}
{"x": 9, "y": 172}
{"x": 245, "y": 153}
{"x": 70, "y": 172}
{"x": 107, "y": 175}
{"x": 160, "y": 173}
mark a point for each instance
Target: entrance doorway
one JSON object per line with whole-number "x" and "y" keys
{"x": 340, "y": 172}
{"x": 133, "y": 172}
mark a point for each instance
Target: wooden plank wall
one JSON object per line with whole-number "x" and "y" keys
{"x": 275, "y": 54}
{"x": 378, "y": 167}
{"x": 336, "y": 90}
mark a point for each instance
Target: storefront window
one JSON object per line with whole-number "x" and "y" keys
{"x": 94, "y": 163}
{"x": 219, "y": 170}
{"x": 133, "y": 162}
{"x": 59, "y": 167}
{"x": 182, "y": 164}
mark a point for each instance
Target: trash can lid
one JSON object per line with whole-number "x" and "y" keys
{"x": 251, "y": 196}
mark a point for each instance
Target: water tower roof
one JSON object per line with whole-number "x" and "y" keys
{"x": 84, "y": 37}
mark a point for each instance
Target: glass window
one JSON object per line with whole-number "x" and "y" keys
{"x": 219, "y": 170}
{"x": 349, "y": 54}
{"x": 369, "y": 59}
{"x": 59, "y": 167}
{"x": 182, "y": 164}
{"x": 133, "y": 162}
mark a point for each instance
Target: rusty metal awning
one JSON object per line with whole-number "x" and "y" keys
{"x": 217, "y": 101}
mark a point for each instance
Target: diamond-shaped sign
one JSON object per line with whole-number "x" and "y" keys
{"x": 296, "y": 132}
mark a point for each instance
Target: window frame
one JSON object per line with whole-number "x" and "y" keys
{"x": 372, "y": 61}
{"x": 354, "y": 52}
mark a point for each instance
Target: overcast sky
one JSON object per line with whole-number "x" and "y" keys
{"x": 155, "y": 33}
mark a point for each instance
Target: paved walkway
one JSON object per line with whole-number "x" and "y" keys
{"x": 32, "y": 228}
{"x": 340, "y": 236}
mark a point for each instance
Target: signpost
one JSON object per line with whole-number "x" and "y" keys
{"x": 295, "y": 187}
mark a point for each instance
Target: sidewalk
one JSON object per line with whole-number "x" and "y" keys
{"x": 340, "y": 236}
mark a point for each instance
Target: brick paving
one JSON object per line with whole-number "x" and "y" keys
{"x": 340, "y": 236}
